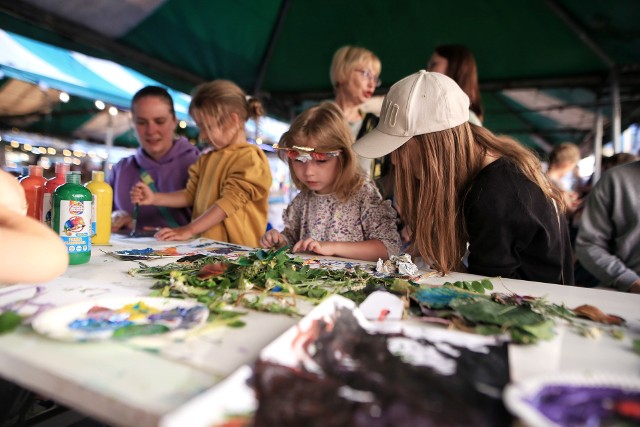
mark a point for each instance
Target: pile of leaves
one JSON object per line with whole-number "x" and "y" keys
{"x": 262, "y": 280}
{"x": 465, "y": 306}
{"x": 273, "y": 281}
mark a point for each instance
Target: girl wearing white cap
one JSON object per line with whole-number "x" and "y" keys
{"x": 458, "y": 185}
{"x": 338, "y": 211}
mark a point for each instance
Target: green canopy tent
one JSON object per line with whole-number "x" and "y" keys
{"x": 578, "y": 55}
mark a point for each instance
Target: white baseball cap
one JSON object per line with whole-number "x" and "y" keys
{"x": 421, "y": 103}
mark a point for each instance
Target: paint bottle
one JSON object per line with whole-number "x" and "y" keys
{"x": 101, "y": 208}
{"x": 49, "y": 187}
{"x": 33, "y": 185}
{"x": 72, "y": 218}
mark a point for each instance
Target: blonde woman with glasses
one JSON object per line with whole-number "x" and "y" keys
{"x": 355, "y": 75}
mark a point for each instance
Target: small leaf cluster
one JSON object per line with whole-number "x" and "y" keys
{"x": 478, "y": 286}
{"x": 263, "y": 280}
{"x": 9, "y": 320}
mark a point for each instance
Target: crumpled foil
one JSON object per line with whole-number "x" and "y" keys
{"x": 400, "y": 264}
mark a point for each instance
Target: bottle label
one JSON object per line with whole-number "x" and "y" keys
{"x": 46, "y": 208}
{"x": 75, "y": 225}
{"x": 94, "y": 209}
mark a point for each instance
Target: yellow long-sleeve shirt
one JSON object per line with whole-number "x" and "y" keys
{"x": 237, "y": 179}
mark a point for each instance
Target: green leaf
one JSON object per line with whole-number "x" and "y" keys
{"x": 236, "y": 324}
{"x": 489, "y": 330}
{"x": 486, "y": 283}
{"x": 520, "y": 336}
{"x": 9, "y": 320}
{"x": 477, "y": 286}
{"x": 542, "y": 330}
{"x": 617, "y": 334}
{"x": 138, "y": 330}
{"x": 486, "y": 311}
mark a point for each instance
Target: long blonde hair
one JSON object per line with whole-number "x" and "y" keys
{"x": 324, "y": 128}
{"x": 434, "y": 172}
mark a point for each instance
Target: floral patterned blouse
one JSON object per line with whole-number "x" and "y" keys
{"x": 365, "y": 216}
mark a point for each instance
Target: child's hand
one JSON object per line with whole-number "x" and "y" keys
{"x": 142, "y": 194}
{"x": 120, "y": 219}
{"x": 178, "y": 233}
{"x": 311, "y": 245}
{"x": 272, "y": 239}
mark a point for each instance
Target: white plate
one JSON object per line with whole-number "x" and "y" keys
{"x": 55, "y": 323}
{"x": 517, "y": 396}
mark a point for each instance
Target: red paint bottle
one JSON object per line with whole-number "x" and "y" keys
{"x": 49, "y": 187}
{"x": 33, "y": 185}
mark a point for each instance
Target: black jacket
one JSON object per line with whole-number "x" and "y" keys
{"x": 514, "y": 230}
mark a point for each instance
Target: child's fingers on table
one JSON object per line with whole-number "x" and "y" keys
{"x": 163, "y": 233}
{"x": 303, "y": 245}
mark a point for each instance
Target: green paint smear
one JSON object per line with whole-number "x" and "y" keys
{"x": 138, "y": 330}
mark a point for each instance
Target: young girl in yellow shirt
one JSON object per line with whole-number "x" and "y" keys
{"x": 228, "y": 187}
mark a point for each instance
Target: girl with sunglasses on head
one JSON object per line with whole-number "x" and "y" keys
{"x": 339, "y": 212}
{"x": 227, "y": 187}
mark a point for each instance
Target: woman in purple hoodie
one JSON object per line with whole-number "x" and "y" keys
{"x": 161, "y": 161}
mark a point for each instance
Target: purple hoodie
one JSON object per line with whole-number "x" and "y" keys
{"x": 170, "y": 173}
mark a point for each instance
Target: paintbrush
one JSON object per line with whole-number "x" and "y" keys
{"x": 134, "y": 224}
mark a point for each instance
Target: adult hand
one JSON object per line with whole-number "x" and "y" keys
{"x": 315, "y": 246}
{"x": 120, "y": 219}
{"x": 142, "y": 194}
{"x": 635, "y": 287}
{"x": 178, "y": 233}
{"x": 272, "y": 239}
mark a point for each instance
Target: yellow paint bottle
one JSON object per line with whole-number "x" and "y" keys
{"x": 102, "y": 203}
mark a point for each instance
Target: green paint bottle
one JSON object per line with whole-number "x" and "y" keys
{"x": 71, "y": 205}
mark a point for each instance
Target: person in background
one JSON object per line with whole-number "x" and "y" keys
{"x": 228, "y": 187}
{"x": 354, "y": 74}
{"x": 609, "y": 235}
{"x": 31, "y": 251}
{"x": 338, "y": 212}
{"x": 459, "y": 186}
{"x": 563, "y": 161}
{"x": 457, "y": 62}
{"x": 562, "y": 172}
{"x": 162, "y": 160}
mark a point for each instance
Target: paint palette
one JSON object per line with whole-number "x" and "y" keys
{"x": 574, "y": 399}
{"x": 120, "y": 318}
{"x": 203, "y": 247}
{"x": 148, "y": 253}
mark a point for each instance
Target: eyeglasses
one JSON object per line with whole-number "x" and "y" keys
{"x": 305, "y": 154}
{"x": 367, "y": 74}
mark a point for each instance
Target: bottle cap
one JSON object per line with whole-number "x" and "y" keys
{"x": 73, "y": 177}
{"x": 62, "y": 168}
{"x": 35, "y": 170}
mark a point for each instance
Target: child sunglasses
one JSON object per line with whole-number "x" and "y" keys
{"x": 305, "y": 154}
